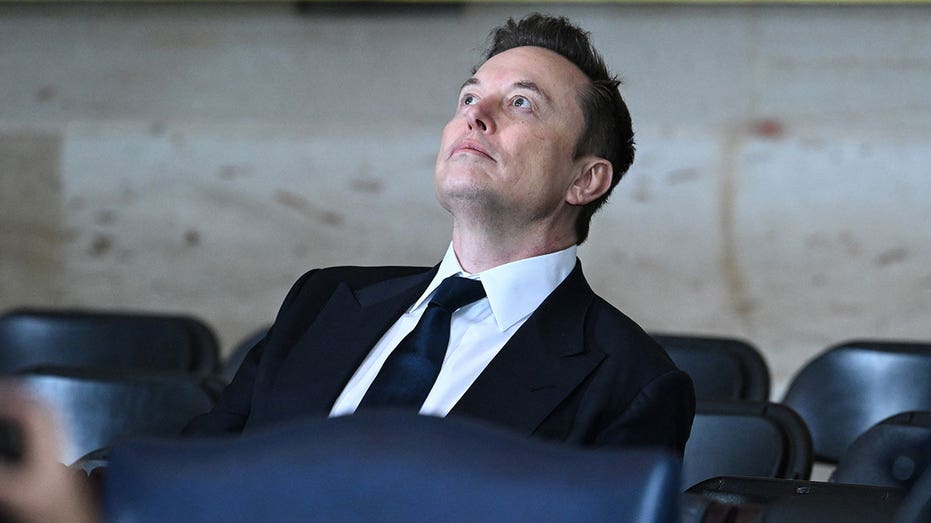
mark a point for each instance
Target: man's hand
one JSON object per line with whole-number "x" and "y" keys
{"x": 34, "y": 485}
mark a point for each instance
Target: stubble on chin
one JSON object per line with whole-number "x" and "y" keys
{"x": 459, "y": 196}
{"x": 475, "y": 205}
{"x": 465, "y": 191}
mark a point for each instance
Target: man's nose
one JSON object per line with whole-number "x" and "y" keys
{"x": 480, "y": 117}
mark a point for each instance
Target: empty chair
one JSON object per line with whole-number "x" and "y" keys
{"x": 33, "y": 337}
{"x": 854, "y": 385}
{"x": 742, "y": 438}
{"x": 721, "y": 368}
{"x": 97, "y": 407}
{"x": 387, "y": 466}
{"x": 895, "y": 452}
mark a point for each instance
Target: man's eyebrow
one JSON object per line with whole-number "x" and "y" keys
{"x": 530, "y": 86}
{"x": 470, "y": 81}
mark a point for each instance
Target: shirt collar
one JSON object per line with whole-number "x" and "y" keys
{"x": 514, "y": 289}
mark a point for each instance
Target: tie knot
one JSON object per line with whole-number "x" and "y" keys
{"x": 456, "y": 292}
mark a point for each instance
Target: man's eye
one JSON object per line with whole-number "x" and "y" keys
{"x": 468, "y": 100}
{"x": 521, "y": 102}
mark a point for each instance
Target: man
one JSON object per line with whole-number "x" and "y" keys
{"x": 539, "y": 139}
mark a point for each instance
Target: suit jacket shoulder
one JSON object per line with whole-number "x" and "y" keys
{"x": 258, "y": 393}
{"x": 654, "y": 401}
{"x": 581, "y": 371}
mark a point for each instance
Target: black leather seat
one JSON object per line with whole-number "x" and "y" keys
{"x": 97, "y": 407}
{"x": 721, "y": 368}
{"x": 854, "y": 385}
{"x": 387, "y": 466}
{"x": 741, "y": 438}
{"x": 895, "y": 452}
{"x": 33, "y": 337}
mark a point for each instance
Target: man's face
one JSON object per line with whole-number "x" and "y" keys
{"x": 509, "y": 148}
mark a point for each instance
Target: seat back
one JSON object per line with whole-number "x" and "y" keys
{"x": 35, "y": 337}
{"x": 97, "y": 407}
{"x": 854, "y": 385}
{"x": 895, "y": 452}
{"x": 742, "y": 438}
{"x": 721, "y": 368}
{"x": 387, "y": 466}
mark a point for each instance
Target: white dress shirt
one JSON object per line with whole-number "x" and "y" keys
{"x": 477, "y": 332}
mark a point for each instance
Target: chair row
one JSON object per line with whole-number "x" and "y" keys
{"x": 884, "y": 476}
{"x": 769, "y": 440}
{"x": 730, "y": 441}
{"x": 722, "y": 368}
{"x": 101, "y": 406}
{"x": 839, "y": 394}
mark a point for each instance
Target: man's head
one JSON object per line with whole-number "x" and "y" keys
{"x": 568, "y": 145}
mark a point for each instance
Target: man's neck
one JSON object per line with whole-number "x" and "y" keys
{"x": 480, "y": 252}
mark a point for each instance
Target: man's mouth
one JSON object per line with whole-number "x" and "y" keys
{"x": 473, "y": 148}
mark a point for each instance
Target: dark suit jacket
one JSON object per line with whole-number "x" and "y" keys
{"x": 578, "y": 370}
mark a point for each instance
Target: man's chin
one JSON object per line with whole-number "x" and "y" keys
{"x": 469, "y": 199}
{"x": 461, "y": 181}
{"x": 462, "y": 193}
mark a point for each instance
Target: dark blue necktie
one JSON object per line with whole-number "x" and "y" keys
{"x": 411, "y": 370}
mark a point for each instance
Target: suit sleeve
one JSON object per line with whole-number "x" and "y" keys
{"x": 660, "y": 415}
{"x": 230, "y": 414}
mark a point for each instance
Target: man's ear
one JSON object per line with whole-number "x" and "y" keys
{"x": 592, "y": 182}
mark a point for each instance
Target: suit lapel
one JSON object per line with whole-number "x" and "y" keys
{"x": 540, "y": 365}
{"x": 342, "y": 335}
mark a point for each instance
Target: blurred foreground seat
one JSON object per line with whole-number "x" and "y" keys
{"x": 34, "y": 337}
{"x": 387, "y": 466}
